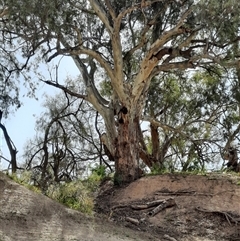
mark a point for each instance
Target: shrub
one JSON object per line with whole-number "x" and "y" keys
{"x": 24, "y": 178}
{"x": 72, "y": 194}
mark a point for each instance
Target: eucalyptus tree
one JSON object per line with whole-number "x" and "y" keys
{"x": 9, "y": 89}
{"x": 127, "y": 43}
{"x": 188, "y": 112}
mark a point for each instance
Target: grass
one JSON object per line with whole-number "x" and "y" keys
{"x": 73, "y": 195}
{"x": 24, "y": 179}
{"x": 76, "y": 195}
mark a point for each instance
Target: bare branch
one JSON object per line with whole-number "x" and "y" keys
{"x": 3, "y": 12}
{"x": 65, "y": 89}
{"x": 11, "y": 147}
{"x": 102, "y": 15}
{"x": 110, "y": 8}
{"x": 94, "y": 96}
{"x": 171, "y": 66}
{"x": 177, "y": 30}
{"x": 134, "y": 7}
{"x": 100, "y": 60}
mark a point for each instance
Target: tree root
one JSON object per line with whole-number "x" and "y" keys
{"x": 158, "y": 204}
{"x": 181, "y": 193}
{"x": 229, "y": 216}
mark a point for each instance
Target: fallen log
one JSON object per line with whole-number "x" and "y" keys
{"x": 147, "y": 205}
{"x": 132, "y": 220}
{"x": 165, "y": 204}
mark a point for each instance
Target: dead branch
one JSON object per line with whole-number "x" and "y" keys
{"x": 132, "y": 220}
{"x": 4, "y": 12}
{"x": 140, "y": 207}
{"x": 166, "y": 203}
{"x": 182, "y": 193}
{"x": 169, "y": 238}
{"x": 147, "y": 205}
{"x": 11, "y": 147}
{"x": 164, "y": 192}
{"x": 230, "y": 219}
{"x": 120, "y": 206}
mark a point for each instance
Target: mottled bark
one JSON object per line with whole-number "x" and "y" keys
{"x": 127, "y": 151}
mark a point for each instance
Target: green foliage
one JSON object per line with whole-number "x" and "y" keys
{"x": 99, "y": 172}
{"x": 25, "y": 178}
{"x": 74, "y": 195}
{"x": 194, "y": 167}
{"x": 156, "y": 170}
{"x": 77, "y": 194}
{"x": 106, "y": 88}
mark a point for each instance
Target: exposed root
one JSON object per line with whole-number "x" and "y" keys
{"x": 229, "y": 216}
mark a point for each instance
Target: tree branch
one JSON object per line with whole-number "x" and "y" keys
{"x": 110, "y": 8}
{"x": 12, "y": 149}
{"x": 171, "y": 66}
{"x": 4, "y": 12}
{"x": 166, "y": 127}
{"x": 151, "y": 59}
{"x": 166, "y": 36}
{"x": 93, "y": 95}
{"x": 102, "y": 15}
{"x": 65, "y": 89}
{"x": 106, "y": 66}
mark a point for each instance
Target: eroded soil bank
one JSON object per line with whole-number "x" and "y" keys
{"x": 203, "y": 208}
{"x": 207, "y": 207}
{"x": 29, "y": 216}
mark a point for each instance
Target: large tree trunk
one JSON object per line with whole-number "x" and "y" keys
{"x": 127, "y": 150}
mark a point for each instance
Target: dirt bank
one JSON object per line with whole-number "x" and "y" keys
{"x": 200, "y": 208}
{"x": 192, "y": 208}
{"x": 28, "y": 216}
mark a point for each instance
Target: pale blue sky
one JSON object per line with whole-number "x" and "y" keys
{"x": 20, "y": 125}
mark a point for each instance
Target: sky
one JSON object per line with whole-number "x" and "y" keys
{"x": 21, "y": 124}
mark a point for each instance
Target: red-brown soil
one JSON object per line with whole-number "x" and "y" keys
{"x": 207, "y": 207}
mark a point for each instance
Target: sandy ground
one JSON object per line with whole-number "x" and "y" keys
{"x": 28, "y": 216}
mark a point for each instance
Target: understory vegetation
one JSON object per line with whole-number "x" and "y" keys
{"x": 77, "y": 194}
